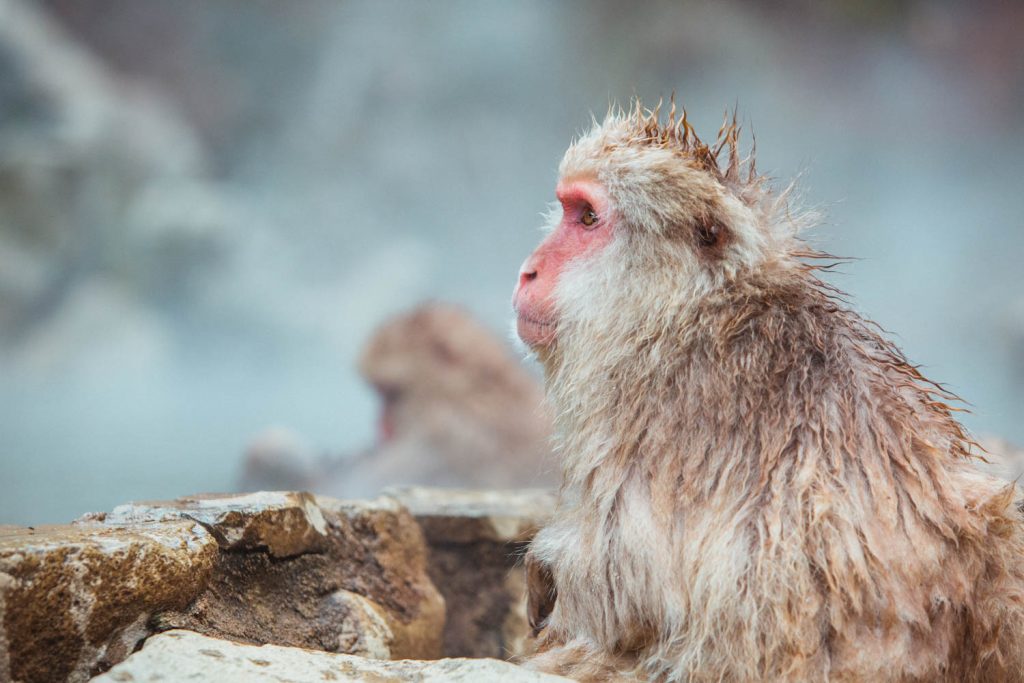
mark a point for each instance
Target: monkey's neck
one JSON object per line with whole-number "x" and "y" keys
{"x": 624, "y": 393}
{"x": 708, "y": 399}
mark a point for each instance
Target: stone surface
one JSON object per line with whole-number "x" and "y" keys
{"x": 476, "y": 541}
{"x": 468, "y": 516}
{"x": 374, "y": 549}
{"x": 186, "y": 656}
{"x": 282, "y": 524}
{"x": 284, "y": 568}
{"x": 76, "y": 598}
{"x": 288, "y": 569}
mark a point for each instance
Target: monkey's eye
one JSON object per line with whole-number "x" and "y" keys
{"x": 588, "y": 217}
{"x": 388, "y": 392}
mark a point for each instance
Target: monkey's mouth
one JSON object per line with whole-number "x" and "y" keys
{"x": 536, "y": 321}
{"x": 535, "y": 331}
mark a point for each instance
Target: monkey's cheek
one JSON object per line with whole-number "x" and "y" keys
{"x": 535, "y": 334}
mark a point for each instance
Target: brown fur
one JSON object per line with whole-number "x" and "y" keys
{"x": 463, "y": 410}
{"x": 757, "y": 485}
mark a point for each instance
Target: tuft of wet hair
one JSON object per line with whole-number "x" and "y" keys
{"x": 723, "y": 160}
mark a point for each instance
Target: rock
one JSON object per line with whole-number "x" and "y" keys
{"x": 186, "y": 656}
{"x": 476, "y": 540}
{"x": 288, "y": 569}
{"x": 364, "y": 629}
{"x": 338, "y": 549}
{"x": 283, "y": 568}
{"x": 466, "y": 516}
{"x": 76, "y": 598}
{"x": 283, "y": 524}
{"x": 392, "y": 569}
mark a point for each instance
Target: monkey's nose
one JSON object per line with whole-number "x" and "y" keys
{"x": 527, "y": 275}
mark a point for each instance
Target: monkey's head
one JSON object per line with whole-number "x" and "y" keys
{"x": 644, "y": 205}
{"x": 437, "y": 362}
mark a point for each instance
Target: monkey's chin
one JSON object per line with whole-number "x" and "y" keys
{"x": 536, "y": 334}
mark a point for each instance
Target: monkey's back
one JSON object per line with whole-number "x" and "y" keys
{"x": 782, "y": 498}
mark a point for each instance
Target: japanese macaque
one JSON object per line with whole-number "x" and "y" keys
{"x": 457, "y": 408}
{"x": 757, "y": 485}
{"x": 277, "y": 459}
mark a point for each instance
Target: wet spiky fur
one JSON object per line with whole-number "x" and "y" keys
{"x": 757, "y": 485}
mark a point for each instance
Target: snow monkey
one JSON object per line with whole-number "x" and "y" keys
{"x": 458, "y": 408}
{"x": 757, "y": 485}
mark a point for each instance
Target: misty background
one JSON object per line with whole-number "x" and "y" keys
{"x": 207, "y": 206}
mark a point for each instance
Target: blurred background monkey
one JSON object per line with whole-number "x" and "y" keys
{"x": 457, "y": 409}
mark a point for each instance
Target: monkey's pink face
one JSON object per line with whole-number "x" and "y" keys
{"x": 585, "y": 229}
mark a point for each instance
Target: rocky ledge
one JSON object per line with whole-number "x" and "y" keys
{"x": 304, "y": 583}
{"x": 186, "y": 655}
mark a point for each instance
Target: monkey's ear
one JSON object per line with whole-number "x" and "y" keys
{"x": 709, "y": 234}
{"x": 708, "y": 231}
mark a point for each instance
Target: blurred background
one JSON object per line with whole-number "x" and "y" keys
{"x": 206, "y": 207}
